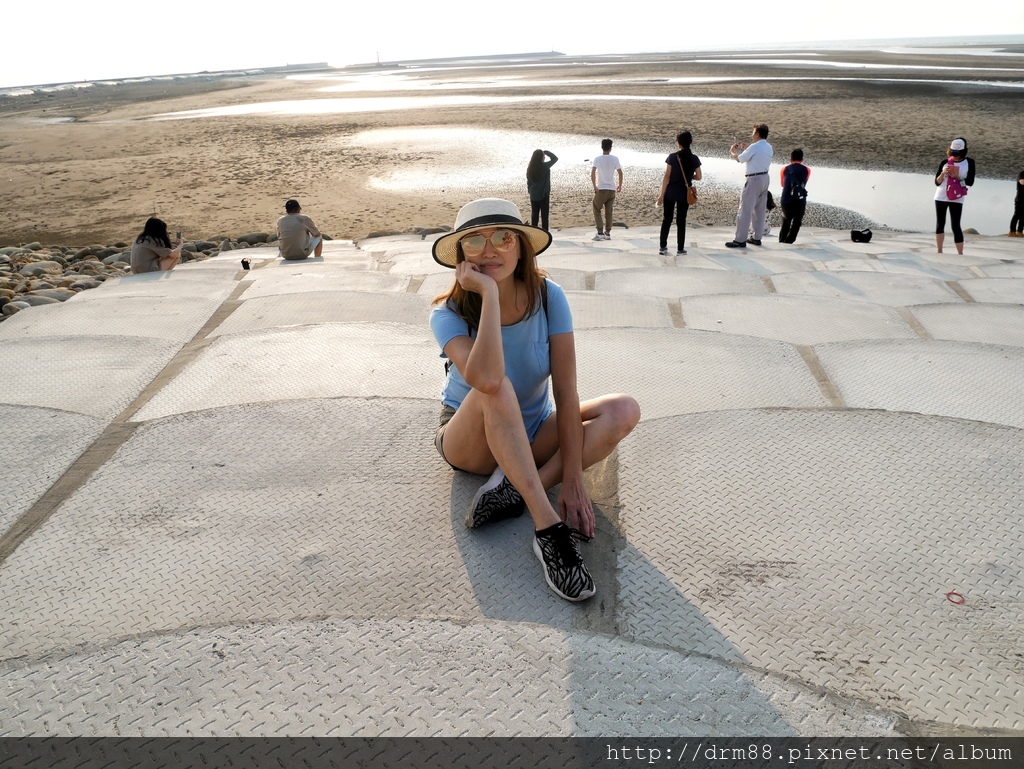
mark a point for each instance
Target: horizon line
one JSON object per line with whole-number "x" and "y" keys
{"x": 857, "y": 43}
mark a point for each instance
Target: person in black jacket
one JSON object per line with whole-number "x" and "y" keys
{"x": 794, "y": 195}
{"x": 952, "y": 178}
{"x": 538, "y": 183}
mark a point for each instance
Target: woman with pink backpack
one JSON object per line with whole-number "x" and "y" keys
{"x": 954, "y": 175}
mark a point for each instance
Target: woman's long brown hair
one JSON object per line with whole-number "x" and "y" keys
{"x": 467, "y": 304}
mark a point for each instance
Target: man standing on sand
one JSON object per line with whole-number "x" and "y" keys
{"x": 297, "y": 236}
{"x": 758, "y": 157}
{"x": 602, "y": 176}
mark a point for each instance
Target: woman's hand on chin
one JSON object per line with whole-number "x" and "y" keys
{"x": 471, "y": 278}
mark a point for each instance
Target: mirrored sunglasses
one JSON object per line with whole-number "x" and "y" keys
{"x": 502, "y": 240}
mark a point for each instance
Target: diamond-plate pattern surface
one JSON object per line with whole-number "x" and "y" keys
{"x": 570, "y": 280}
{"x": 598, "y": 259}
{"x": 1001, "y": 270}
{"x": 595, "y": 309}
{"x": 371, "y": 360}
{"x": 854, "y": 265}
{"x": 822, "y": 545}
{"x": 109, "y": 371}
{"x": 909, "y": 264}
{"x": 332, "y": 265}
{"x": 674, "y": 371}
{"x": 817, "y": 253}
{"x": 756, "y": 264}
{"x": 378, "y": 677}
{"x": 930, "y": 377}
{"x": 325, "y": 307}
{"x": 983, "y": 323}
{"x": 973, "y": 258}
{"x": 880, "y": 288}
{"x": 281, "y": 282}
{"x": 41, "y": 445}
{"x": 185, "y": 281}
{"x": 256, "y": 513}
{"x": 413, "y": 260}
{"x": 172, "y": 318}
{"x": 994, "y": 290}
{"x": 799, "y": 320}
{"x": 676, "y": 282}
{"x": 774, "y": 572}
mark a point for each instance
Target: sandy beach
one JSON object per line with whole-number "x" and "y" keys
{"x": 89, "y": 165}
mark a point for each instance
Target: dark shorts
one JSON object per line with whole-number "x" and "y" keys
{"x": 447, "y": 412}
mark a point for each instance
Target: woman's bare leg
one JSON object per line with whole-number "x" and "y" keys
{"x": 486, "y": 432}
{"x": 606, "y": 421}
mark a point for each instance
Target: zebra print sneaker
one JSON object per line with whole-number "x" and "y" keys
{"x": 564, "y": 569}
{"x": 494, "y": 501}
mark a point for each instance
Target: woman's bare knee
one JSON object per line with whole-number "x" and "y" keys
{"x": 624, "y": 413}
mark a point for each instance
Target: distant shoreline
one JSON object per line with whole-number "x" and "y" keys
{"x": 89, "y": 165}
{"x": 977, "y": 41}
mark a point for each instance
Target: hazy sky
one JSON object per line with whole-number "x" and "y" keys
{"x": 49, "y": 41}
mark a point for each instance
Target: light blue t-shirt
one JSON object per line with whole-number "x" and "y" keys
{"x": 526, "y": 350}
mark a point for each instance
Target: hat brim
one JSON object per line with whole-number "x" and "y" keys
{"x": 445, "y": 250}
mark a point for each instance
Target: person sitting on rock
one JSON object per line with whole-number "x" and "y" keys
{"x": 297, "y": 236}
{"x": 151, "y": 251}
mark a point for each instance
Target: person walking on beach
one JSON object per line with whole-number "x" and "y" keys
{"x": 682, "y": 169}
{"x": 952, "y": 178}
{"x": 753, "y": 200}
{"x": 297, "y": 235}
{"x": 1017, "y": 220}
{"x": 602, "y": 176}
{"x": 794, "y": 195}
{"x": 538, "y": 183}
{"x": 506, "y": 331}
{"x": 151, "y": 251}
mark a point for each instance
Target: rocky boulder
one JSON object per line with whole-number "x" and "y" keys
{"x": 35, "y": 269}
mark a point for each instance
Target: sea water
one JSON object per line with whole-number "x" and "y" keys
{"x": 469, "y": 160}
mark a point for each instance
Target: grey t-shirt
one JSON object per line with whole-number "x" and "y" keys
{"x": 294, "y": 234}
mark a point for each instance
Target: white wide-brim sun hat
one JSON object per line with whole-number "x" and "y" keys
{"x": 486, "y": 213}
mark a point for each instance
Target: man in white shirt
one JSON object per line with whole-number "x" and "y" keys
{"x": 758, "y": 157}
{"x": 602, "y": 176}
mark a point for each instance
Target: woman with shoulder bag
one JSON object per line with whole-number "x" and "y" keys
{"x": 677, "y": 191}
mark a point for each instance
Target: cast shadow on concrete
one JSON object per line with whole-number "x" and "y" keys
{"x": 616, "y": 685}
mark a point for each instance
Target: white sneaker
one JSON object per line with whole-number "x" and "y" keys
{"x": 599, "y": 236}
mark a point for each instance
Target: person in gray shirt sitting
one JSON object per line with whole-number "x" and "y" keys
{"x": 297, "y": 235}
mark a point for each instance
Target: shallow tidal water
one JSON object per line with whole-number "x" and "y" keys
{"x": 471, "y": 159}
{"x": 474, "y": 159}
